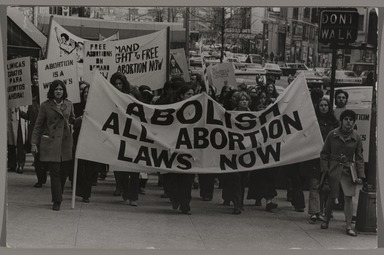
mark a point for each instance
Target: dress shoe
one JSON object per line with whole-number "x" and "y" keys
{"x": 350, "y": 232}
{"x": 175, "y": 205}
{"x": 85, "y": 200}
{"x": 19, "y": 170}
{"x": 117, "y": 193}
{"x": 236, "y": 211}
{"x": 270, "y": 206}
{"x": 324, "y": 225}
{"x": 38, "y": 185}
{"x": 56, "y": 206}
{"x": 165, "y": 195}
{"x": 133, "y": 203}
{"x": 226, "y": 202}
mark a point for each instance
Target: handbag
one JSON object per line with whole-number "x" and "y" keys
{"x": 352, "y": 169}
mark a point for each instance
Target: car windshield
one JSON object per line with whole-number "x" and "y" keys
{"x": 257, "y": 59}
{"x": 350, "y": 74}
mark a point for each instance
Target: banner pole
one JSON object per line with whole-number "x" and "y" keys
{"x": 49, "y": 36}
{"x": 74, "y": 183}
{"x": 168, "y": 54}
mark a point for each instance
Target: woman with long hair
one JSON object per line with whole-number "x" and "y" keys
{"x": 87, "y": 171}
{"x": 234, "y": 183}
{"x": 327, "y": 122}
{"x": 270, "y": 91}
{"x": 127, "y": 183}
{"x": 52, "y": 138}
{"x": 180, "y": 183}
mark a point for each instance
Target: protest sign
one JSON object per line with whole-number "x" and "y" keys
{"x": 63, "y": 43}
{"x": 196, "y": 135}
{"x": 141, "y": 59}
{"x": 65, "y": 69}
{"x": 178, "y": 62}
{"x": 221, "y": 74}
{"x": 19, "y": 82}
{"x": 362, "y": 126}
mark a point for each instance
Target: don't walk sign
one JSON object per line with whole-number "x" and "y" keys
{"x": 339, "y": 26}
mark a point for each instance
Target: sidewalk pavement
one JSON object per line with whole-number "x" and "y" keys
{"x": 109, "y": 223}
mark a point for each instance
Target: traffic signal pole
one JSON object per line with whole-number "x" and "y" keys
{"x": 333, "y": 73}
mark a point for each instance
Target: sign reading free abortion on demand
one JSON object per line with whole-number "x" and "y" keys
{"x": 196, "y": 135}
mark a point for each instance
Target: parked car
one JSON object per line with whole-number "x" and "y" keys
{"x": 254, "y": 61}
{"x": 195, "y": 60}
{"x": 273, "y": 70}
{"x": 291, "y": 68}
{"x": 313, "y": 79}
{"x": 359, "y": 67}
{"x": 364, "y": 75}
{"x": 211, "y": 60}
{"x": 231, "y": 60}
{"x": 240, "y": 56}
{"x": 343, "y": 78}
{"x": 322, "y": 71}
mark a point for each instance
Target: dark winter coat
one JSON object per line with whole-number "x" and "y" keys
{"x": 52, "y": 131}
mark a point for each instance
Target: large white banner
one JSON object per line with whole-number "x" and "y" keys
{"x": 141, "y": 59}
{"x": 65, "y": 69}
{"x": 196, "y": 135}
{"x": 19, "y": 82}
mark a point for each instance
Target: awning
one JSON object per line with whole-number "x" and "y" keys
{"x": 27, "y": 26}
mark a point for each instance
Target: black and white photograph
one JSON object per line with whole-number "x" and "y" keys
{"x": 178, "y": 127}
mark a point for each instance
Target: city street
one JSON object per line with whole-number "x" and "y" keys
{"x": 107, "y": 223}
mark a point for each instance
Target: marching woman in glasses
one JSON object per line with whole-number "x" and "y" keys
{"x": 341, "y": 155}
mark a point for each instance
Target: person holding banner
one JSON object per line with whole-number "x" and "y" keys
{"x": 341, "y": 157}
{"x": 234, "y": 183}
{"x": 127, "y": 183}
{"x": 262, "y": 182}
{"x": 52, "y": 138}
{"x": 87, "y": 170}
{"x": 224, "y": 92}
{"x": 271, "y": 92}
{"x": 327, "y": 122}
{"x": 31, "y": 116}
{"x": 166, "y": 97}
{"x": 181, "y": 184}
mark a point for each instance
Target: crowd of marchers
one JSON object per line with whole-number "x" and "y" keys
{"x": 54, "y": 124}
